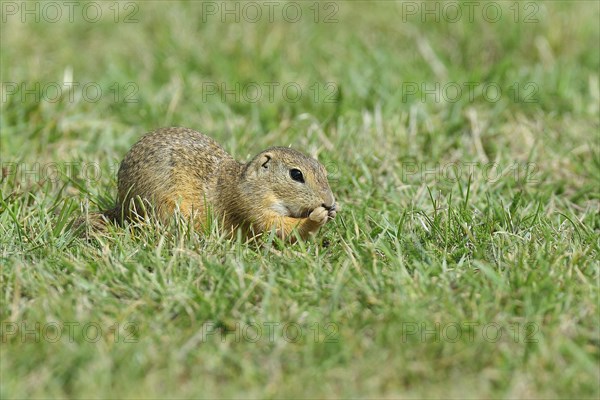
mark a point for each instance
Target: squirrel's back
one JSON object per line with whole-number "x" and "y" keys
{"x": 169, "y": 168}
{"x": 179, "y": 169}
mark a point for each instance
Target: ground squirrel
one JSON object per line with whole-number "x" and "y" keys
{"x": 280, "y": 189}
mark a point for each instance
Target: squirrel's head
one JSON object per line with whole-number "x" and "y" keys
{"x": 292, "y": 183}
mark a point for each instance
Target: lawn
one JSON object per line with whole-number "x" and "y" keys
{"x": 461, "y": 141}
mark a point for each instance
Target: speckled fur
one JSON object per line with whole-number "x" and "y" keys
{"x": 179, "y": 168}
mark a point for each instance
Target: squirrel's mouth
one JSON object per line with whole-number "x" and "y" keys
{"x": 304, "y": 213}
{"x": 286, "y": 211}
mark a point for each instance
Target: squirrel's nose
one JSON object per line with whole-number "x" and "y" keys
{"x": 328, "y": 200}
{"x": 329, "y": 203}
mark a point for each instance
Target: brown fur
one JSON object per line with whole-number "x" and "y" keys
{"x": 179, "y": 168}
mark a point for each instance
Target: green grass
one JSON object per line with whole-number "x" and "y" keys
{"x": 506, "y": 248}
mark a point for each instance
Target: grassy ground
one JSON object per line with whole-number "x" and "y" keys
{"x": 464, "y": 262}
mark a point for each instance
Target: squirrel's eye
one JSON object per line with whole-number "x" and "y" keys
{"x": 296, "y": 175}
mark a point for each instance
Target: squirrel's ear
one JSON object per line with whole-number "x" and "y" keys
{"x": 260, "y": 164}
{"x": 265, "y": 160}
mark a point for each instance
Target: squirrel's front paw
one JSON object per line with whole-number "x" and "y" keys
{"x": 319, "y": 215}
